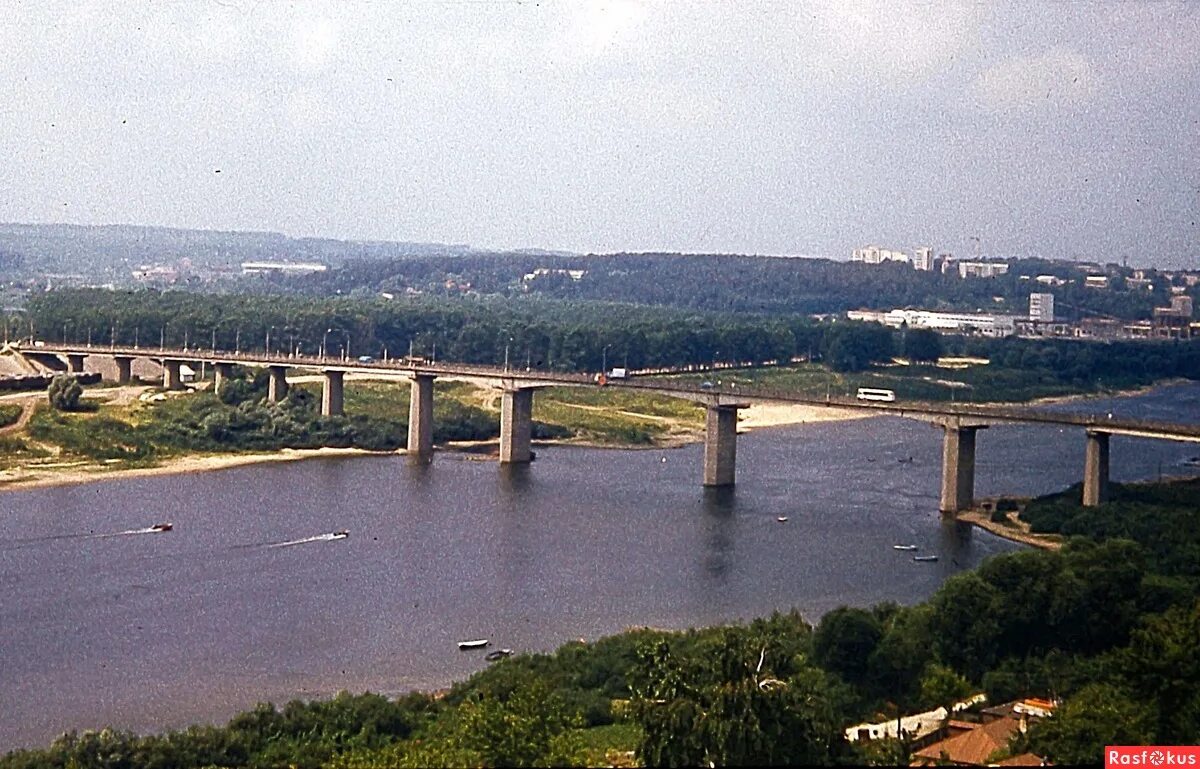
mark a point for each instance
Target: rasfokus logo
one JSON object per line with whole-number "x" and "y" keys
{"x": 1152, "y": 755}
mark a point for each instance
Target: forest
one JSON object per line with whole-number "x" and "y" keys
{"x": 560, "y": 335}
{"x": 1110, "y": 625}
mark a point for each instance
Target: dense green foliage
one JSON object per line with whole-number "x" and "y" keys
{"x": 64, "y": 393}
{"x": 574, "y": 335}
{"x": 9, "y": 413}
{"x": 742, "y": 283}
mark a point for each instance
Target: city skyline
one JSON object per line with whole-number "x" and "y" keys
{"x": 1063, "y": 131}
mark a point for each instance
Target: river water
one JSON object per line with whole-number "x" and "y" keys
{"x": 244, "y": 600}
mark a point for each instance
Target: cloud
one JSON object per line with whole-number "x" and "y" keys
{"x": 1059, "y": 79}
{"x": 893, "y": 41}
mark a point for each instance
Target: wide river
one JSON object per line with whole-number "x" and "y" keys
{"x": 102, "y": 624}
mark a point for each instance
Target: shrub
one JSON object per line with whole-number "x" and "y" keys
{"x": 64, "y": 393}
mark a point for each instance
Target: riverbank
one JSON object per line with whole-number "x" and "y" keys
{"x": 73, "y": 473}
{"x": 1011, "y": 528}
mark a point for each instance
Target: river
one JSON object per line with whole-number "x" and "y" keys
{"x": 102, "y": 623}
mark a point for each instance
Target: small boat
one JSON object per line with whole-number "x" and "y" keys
{"x": 477, "y": 644}
{"x": 341, "y": 534}
{"x": 782, "y": 519}
{"x": 499, "y": 654}
{"x": 904, "y": 547}
{"x": 922, "y": 558}
{"x": 162, "y": 527}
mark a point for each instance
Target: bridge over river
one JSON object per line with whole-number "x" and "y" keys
{"x": 959, "y": 421}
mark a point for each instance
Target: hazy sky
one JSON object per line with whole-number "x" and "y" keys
{"x": 1059, "y": 129}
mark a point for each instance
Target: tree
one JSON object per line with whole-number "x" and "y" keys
{"x": 844, "y": 642}
{"x": 922, "y": 345}
{"x": 64, "y": 393}
{"x": 739, "y": 703}
{"x": 1098, "y": 715}
{"x": 941, "y": 686}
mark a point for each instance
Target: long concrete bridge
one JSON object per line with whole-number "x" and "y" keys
{"x": 960, "y": 422}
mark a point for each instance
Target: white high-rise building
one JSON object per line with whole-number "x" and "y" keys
{"x": 1041, "y": 307}
{"x": 923, "y": 259}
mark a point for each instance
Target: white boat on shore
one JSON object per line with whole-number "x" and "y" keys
{"x": 476, "y": 644}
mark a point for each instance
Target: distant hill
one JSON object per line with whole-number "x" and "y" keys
{"x": 109, "y": 253}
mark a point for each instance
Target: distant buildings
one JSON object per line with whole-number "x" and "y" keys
{"x": 1041, "y": 307}
{"x": 545, "y": 272}
{"x": 1175, "y": 321}
{"x": 985, "y": 324}
{"x": 877, "y": 255}
{"x": 281, "y": 268}
{"x": 922, "y": 258}
{"x": 981, "y": 269}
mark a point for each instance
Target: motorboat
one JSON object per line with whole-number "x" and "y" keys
{"x": 782, "y": 519}
{"x": 498, "y": 654}
{"x": 904, "y": 547}
{"x": 341, "y": 534}
{"x": 924, "y": 558}
{"x": 162, "y": 527}
{"x": 476, "y": 644}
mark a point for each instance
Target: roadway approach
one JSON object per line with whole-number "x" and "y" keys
{"x": 959, "y": 421}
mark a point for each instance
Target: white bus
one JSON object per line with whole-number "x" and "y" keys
{"x": 875, "y": 394}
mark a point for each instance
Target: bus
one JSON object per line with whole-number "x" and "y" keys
{"x": 875, "y": 394}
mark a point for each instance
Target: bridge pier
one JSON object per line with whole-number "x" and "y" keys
{"x": 420, "y": 417}
{"x": 172, "y": 379}
{"x": 1095, "y": 469}
{"x": 277, "y": 386}
{"x": 221, "y": 372}
{"x": 124, "y": 368}
{"x": 516, "y": 426}
{"x": 75, "y": 362}
{"x": 331, "y": 393}
{"x": 958, "y": 467}
{"x": 720, "y": 445}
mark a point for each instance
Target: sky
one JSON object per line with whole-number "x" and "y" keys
{"x": 1063, "y": 130}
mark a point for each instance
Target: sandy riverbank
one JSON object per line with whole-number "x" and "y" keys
{"x": 35, "y": 477}
{"x": 1014, "y": 529}
{"x": 761, "y": 415}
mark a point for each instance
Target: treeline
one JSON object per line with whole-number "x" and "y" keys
{"x": 1110, "y": 624}
{"x": 744, "y": 284}
{"x": 562, "y": 335}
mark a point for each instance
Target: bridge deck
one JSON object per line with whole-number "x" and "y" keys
{"x": 967, "y": 413}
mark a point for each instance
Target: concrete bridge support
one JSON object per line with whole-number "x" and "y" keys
{"x": 1095, "y": 469}
{"x": 958, "y": 468}
{"x": 331, "y": 394}
{"x": 221, "y": 372}
{"x": 124, "y": 368}
{"x": 420, "y": 417}
{"x": 172, "y": 379}
{"x": 720, "y": 445}
{"x": 277, "y": 386}
{"x": 75, "y": 363}
{"x": 516, "y": 426}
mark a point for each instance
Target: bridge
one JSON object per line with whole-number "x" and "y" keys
{"x": 960, "y": 422}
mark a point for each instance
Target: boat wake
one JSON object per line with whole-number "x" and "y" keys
{"x": 157, "y": 528}
{"x": 330, "y": 537}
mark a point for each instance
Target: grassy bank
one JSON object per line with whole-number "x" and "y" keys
{"x": 975, "y": 381}
{"x": 130, "y": 428}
